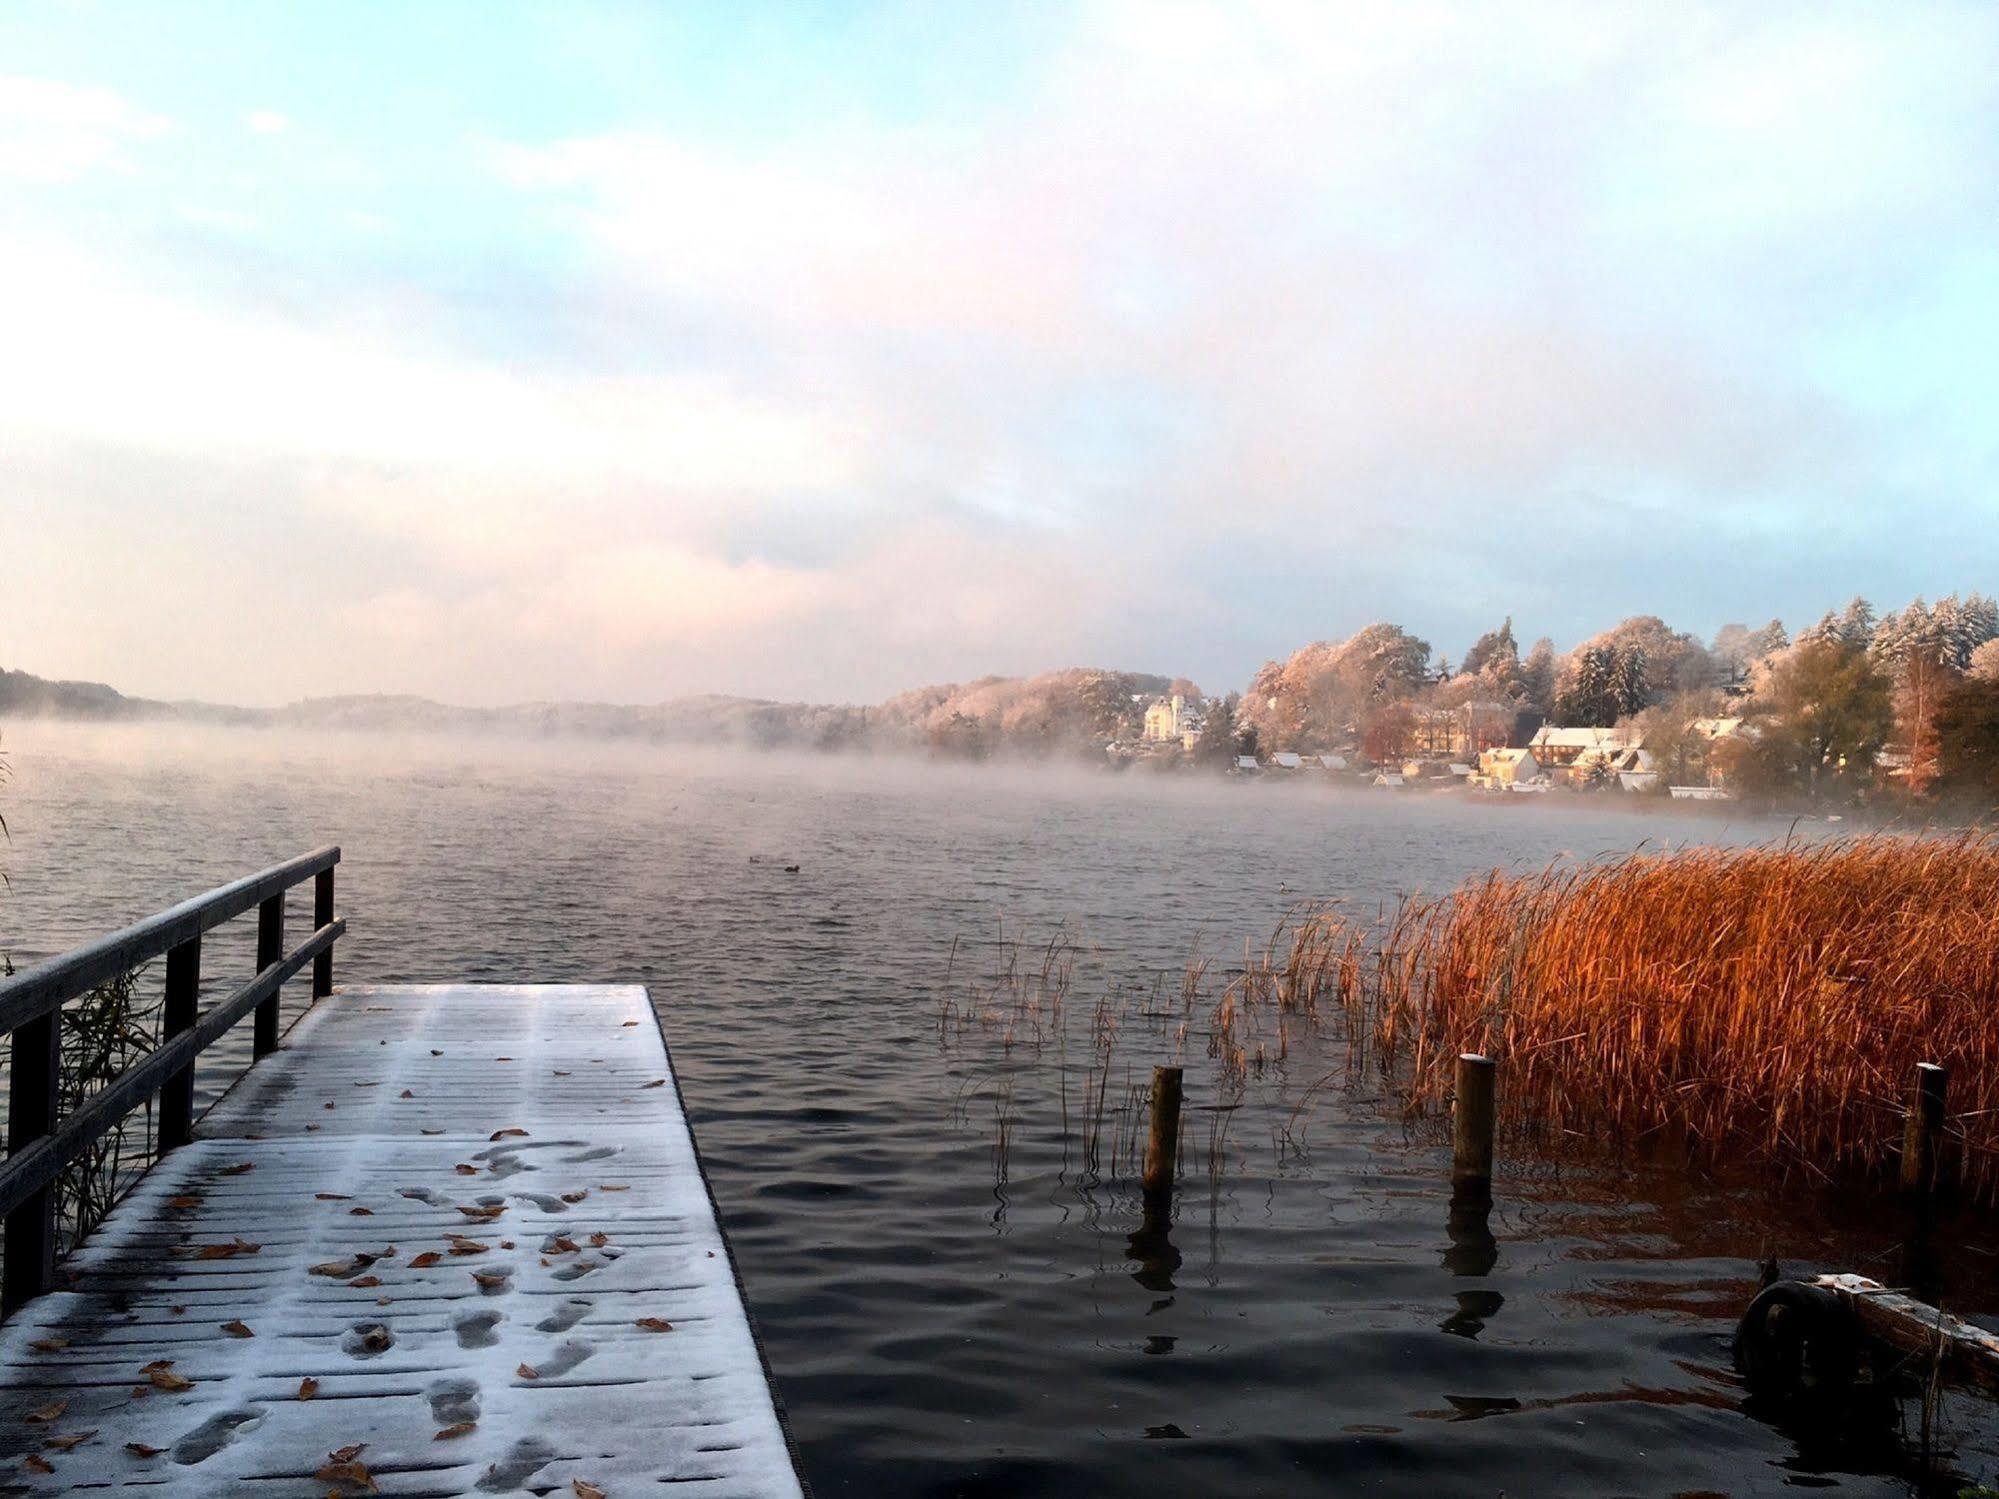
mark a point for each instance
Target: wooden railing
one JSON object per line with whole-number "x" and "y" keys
{"x": 39, "y": 1144}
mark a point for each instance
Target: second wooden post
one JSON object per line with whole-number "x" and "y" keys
{"x": 1162, "y": 1149}
{"x": 1475, "y": 1115}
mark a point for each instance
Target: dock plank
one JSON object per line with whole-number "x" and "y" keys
{"x": 471, "y": 1217}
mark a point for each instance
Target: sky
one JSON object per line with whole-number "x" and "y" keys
{"x": 511, "y": 351}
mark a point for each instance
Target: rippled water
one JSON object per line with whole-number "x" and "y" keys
{"x": 952, "y": 1299}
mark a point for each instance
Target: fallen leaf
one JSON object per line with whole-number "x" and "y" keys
{"x": 44, "y": 1414}
{"x": 485, "y": 1212}
{"x": 608, "y": 1187}
{"x": 425, "y": 1260}
{"x": 454, "y": 1430}
{"x": 431, "y": 1132}
{"x": 503, "y": 1059}
{"x": 464, "y": 1170}
{"x": 360, "y": 1212}
{"x": 140, "y": 1449}
{"x": 574, "y": 1196}
{"x": 563, "y": 1246}
{"x": 49, "y": 1345}
{"x": 356, "y": 1474}
{"x": 559, "y": 1072}
{"x": 628, "y": 1025}
{"x": 655, "y": 1324}
{"x": 341, "y": 1269}
{"x": 346, "y": 1454}
{"x": 183, "y": 1202}
{"x": 599, "y": 1239}
{"x": 36, "y": 1464}
{"x": 527, "y": 1371}
{"x": 330, "y": 1196}
{"x": 467, "y": 1246}
{"x": 227, "y": 1251}
{"x": 375, "y": 1084}
{"x": 237, "y": 1330}
{"x": 492, "y": 1280}
{"x": 169, "y": 1381}
{"x": 239, "y": 1168}
{"x": 660, "y": 1084}
{"x": 307, "y": 1388}
{"x": 501, "y": 1134}
{"x": 365, "y": 1282}
{"x": 178, "y": 1311}
{"x": 376, "y": 1339}
{"x": 65, "y": 1443}
{"x": 586, "y": 1490}
{"x": 407, "y": 1094}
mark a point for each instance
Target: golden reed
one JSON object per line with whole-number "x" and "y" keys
{"x": 1764, "y": 1005}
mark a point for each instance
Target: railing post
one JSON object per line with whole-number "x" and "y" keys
{"x": 322, "y": 914}
{"x": 1162, "y": 1148}
{"x": 1922, "y": 1131}
{"x": 32, "y": 1096}
{"x": 177, "y": 1093}
{"x": 270, "y": 949}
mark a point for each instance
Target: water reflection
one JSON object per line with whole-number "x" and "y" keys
{"x": 1152, "y": 1246}
{"x": 1473, "y": 1251}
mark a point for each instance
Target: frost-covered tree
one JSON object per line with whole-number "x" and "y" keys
{"x": 1628, "y": 687}
{"x": 1985, "y": 662}
{"x": 1767, "y": 641}
{"x": 1537, "y": 676}
{"x": 1495, "y": 652}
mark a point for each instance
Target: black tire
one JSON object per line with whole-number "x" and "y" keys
{"x": 1797, "y": 1339}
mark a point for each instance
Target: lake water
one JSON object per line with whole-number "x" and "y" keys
{"x": 933, "y": 1213}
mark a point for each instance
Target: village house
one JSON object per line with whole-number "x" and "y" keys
{"x": 1458, "y": 733}
{"x": 1503, "y": 769}
{"x": 1577, "y": 754}
{"x": 1169, "y": 719}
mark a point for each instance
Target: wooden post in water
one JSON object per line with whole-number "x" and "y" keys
{"x": 1162, "y": 1150}
{"x": 1922, "y": 1134}
{"x": 1476, "y": 1113}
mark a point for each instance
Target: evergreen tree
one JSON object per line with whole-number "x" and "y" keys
{"x": 1494, "y": 649}
{"x": 1537, "y": 676}
{"x": 1627, "y": 688}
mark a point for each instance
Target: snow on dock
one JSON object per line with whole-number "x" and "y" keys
{"x": 450, "y": 1240}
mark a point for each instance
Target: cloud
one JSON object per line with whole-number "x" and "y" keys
{"x": 52, "y": 132}
{"x": 1230, "y": 326}
{"x": 266, "y": 122}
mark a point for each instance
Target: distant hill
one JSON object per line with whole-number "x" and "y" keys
{"x": 1058, "y": 712}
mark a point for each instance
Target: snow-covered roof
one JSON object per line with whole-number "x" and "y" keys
{"x": 1245, "y": 762}
{"x": 1549, "y": 736}
{"x": 1287, "y": 759}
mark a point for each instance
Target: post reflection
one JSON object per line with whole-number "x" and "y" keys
{"x": 1472, "y": 1252}
{"x": 1152, "y": 1245}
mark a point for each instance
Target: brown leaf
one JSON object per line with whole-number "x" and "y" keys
{"x": 36, "y": 1464}
{"x": 655, "y": 1324}
{"x": 599, "y": 1239}
{"x": 431, "y": 1132}
{"x": 360, "y": 1212}
{"x": 408, "y": 1094}
{"x": 454, "y": 1430}
{"x": 183, "y": 1202}
{"x": 44, "y": 1414}
{"x": 365, "y": 1282}
{"x": 661, "y": 1083}
{"x": 503, "y": 1059}
{"x": 425, "y": 1260}
{"x": 140, "y": 1449}
{"x": 237, "y": 1330}
{"x": 355, "y": 1474}
{"x": 158, "y": 1363}
{"x": 464, "y": 1170}
{"x": 558, "y": 1072}
{"x": 346, "y": 1454}
{"x": 628, "y": 1025}
{"x": 563, "y": 1246}
{"x": 376, "y": 1339}
{"x": 65, "y": 1443}
{"x": 307, "y": 1388}
{"x": 607, "y": 1187}
{"x": 461, "y": 1245}
{"x": 169, "y": 1381}
{"x": 178, "y": 1311}
{"x": 239, "y": 1168}
{"x": 485, "y": 1213}
{"x": 583, "y": 1489}
{"x": 528, "y": 1371}
{"x": 227, "y": 1251}
{"x": 330, "y": 1196}
{"x": 49, "y": 1345}
{"x": 491, "y": 1281}
{"x": 501, "y": 1134}
{"x": 573, "y": 1197}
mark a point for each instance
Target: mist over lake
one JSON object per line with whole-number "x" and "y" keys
{"x": 948, "y": 1287}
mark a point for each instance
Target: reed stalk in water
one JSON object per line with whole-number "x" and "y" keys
{"x": 1763, "y": 1004}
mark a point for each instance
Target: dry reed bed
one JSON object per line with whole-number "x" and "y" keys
{"x": 1763, "y": 1004}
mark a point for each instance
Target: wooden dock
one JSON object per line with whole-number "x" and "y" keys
{"x": 446, "y": 1240}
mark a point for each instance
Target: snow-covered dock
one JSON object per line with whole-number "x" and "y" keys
{"x": 448, "y": 1240}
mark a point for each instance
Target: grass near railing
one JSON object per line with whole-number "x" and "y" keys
{"x": 1763, "y": 1004}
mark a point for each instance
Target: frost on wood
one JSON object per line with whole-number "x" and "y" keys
{"x": 561, "y": 1317}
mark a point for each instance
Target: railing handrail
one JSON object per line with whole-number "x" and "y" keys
{"x": 36, "y": 991}
{"x": 40, "y": 1142}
